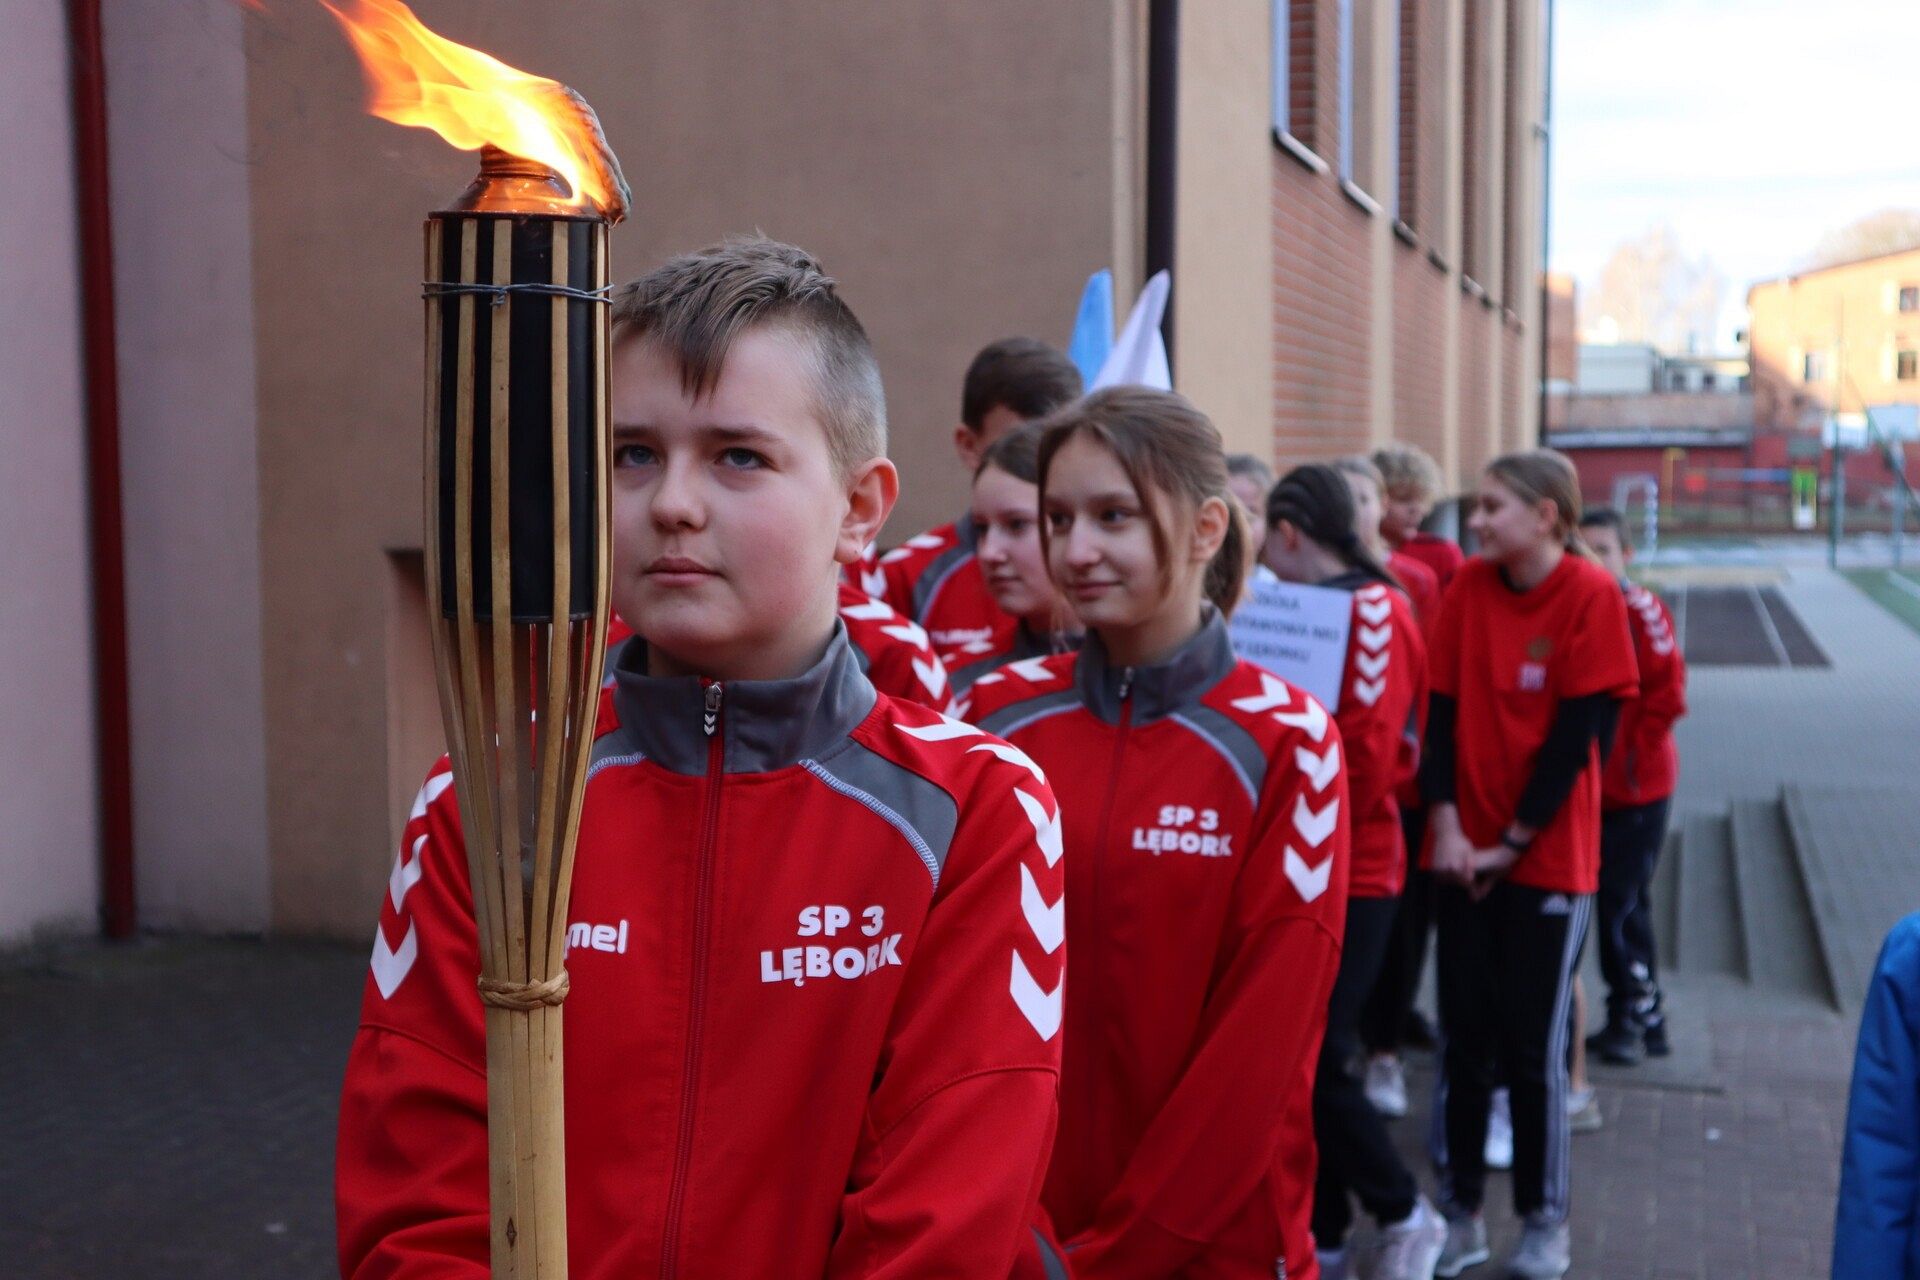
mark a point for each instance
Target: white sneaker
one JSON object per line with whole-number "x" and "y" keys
{"x": 1583, "y": 1110}
{"x": 1408, "y": 1249}
{"x": 1466, "y": 1246}
{"x": 1333, "y": 1264}
{"x": 1387, "y": 1085}
{"x": 1543, "y": 1253}
{"x": 1499, "y": 1148}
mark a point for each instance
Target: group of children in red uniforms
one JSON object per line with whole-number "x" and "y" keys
{"x": 848, "y": 816}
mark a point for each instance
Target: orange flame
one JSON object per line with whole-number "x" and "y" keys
{"x": 471, "y": 99}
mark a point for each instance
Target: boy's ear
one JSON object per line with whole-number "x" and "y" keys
{"x": 966, "y": 443}
{"x": 1210, "y": 526}
{"x": 871, "y": 493}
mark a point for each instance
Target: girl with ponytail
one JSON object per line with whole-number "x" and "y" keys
{"x": 1203, "y": 819}
{"x": 1311, "y": 540}
{"x": 1530, "y": 658}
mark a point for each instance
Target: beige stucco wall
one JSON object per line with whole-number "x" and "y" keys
{"x": 49, "y": 858}
{"x": 1850, "y": 314}
{"x": 946, "y": 161}
{"x": 176, "y": 83}
{"x": 1223, "y": 219}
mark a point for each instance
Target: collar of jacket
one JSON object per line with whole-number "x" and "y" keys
{"x": 764, "y": 724}
{"x": 1179, "y": 681}
{"x": 1350, "y": 580}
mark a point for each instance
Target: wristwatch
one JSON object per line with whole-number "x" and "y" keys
{"x": 1518, "y": 846}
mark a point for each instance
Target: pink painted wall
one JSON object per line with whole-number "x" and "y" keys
{"x": 49, "y": 861}
{"x": 176, "y": 85}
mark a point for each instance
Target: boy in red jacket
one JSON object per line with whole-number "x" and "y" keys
{"x": 792, "y": 1048}
{"x": 934, "y": 577}
{"x": 1636, "y": 789}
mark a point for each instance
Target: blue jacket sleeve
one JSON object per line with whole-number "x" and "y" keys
{"x": 1875, "y": 1221}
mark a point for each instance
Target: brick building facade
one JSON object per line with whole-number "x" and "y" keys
{"x": 1407, "y": 214}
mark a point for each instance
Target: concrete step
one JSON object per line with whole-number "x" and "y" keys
{"x": 1776, "y": 920}
{"x": 1707, "y": 932}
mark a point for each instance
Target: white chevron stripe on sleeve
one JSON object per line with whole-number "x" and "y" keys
{"x": 1049, "y": 923}
{"x": 1320, "y": 769}
{"x": 1375, "y": 638}
{"x": 1372, "y": 664}
{"x": 911, "y": 632}
{"x": 406, "y": 874}
{"x": 1376, "y": 611}
{"x": 1041, "y": 1008}
{"x": 874, "y": 581}
{"x": 1046, "y": 830}
{"x": 933, "y": 676}
{"x": 1315, "y": 827}
{"x": 390, "y": 967}
{"x": 1012, "y": 755}
{"x": 435, "y": 785}
{"x": 1312, "y": 718}
{"x": 1369, "y": 691}
{"x": 1310, "y": 882}
{"x": 1032, "y": 670}
{"x": 1273, "y": 693}
{"x": 868, "y": 611}
{"x": 943, "y": 730}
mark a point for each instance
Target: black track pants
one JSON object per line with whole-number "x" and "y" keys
{"x": 1506, "y": 966}
{"x": 1392, "y": 997}
{"x": 1630, "y": 842}
{"x": 1356, "y": 1155}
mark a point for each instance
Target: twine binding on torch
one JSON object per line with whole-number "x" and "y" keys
{"x": 499, "y": 292}
{"x": 524, "y": 996}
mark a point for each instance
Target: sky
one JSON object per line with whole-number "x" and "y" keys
{"x": 1752, "y": 127}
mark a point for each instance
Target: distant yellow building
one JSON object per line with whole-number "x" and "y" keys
{"x": 1836, "y": 341}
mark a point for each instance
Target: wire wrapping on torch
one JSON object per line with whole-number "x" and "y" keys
{"x": 524, "y": 996}
{"x": 499, "y": 292}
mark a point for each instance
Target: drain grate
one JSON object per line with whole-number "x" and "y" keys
{"x": 1742, "y": 626}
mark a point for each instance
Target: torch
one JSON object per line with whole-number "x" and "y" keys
{"x": 518, "y": 550}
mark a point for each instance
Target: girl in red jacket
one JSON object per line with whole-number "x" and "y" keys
{"x": 1530, "y": 659}
{"x": 1006, "y": 525}
{"x": 1203, "y": 810}
{"x": 1311, "y": 539}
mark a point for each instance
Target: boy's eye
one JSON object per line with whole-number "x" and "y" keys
{"x": 1114, "y": 515}
{"x": 633, "y": 455}
{"x": 1018, "y": 526}
{"x": 742, "y": 458}
{"x": 1057, "y": 521}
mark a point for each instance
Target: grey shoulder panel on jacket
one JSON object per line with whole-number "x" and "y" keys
{"x": 918, "y": 808}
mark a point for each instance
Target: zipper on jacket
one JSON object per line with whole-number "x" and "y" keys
{"x": 696, "y": 1000}
{"x": 1113, "y": 791}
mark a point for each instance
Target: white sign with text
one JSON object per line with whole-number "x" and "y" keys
{"x": 1299, "y": 633}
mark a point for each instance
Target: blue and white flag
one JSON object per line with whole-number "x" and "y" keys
{"x": 1139, "y": 356}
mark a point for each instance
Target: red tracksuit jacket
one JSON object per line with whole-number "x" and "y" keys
{"x": 816, "y": 993}
{"x": 1382, "y": 696}
{"x": 1204, "y": 807}
{"x": 934, "y": 578}
{"x": 1644, "y": 766}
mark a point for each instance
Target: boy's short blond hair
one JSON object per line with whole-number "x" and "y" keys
{"x": 1408, "y": 470}
{"x": 696, "y": 305}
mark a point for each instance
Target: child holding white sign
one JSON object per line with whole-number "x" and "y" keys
{"x": 1311, "y": 539}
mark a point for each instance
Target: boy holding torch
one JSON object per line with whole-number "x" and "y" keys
{"x": 815, "y": 935}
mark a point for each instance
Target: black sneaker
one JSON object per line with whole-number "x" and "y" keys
{"x": 1618, "y": 1043}
{"x": 1655, "y": 1039}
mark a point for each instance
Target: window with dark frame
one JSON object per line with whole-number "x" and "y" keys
{"x": 1910, "y": 297}
{"x": 1813, "y": 368}
{"x": 1907, "y": 366}
{"x": 1295, "y": 92}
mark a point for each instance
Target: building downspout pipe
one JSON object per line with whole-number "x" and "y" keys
{"x": 107, "y": 557}
{"x": 1163, "y": 140}
{"x": 1546, "y": 229}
